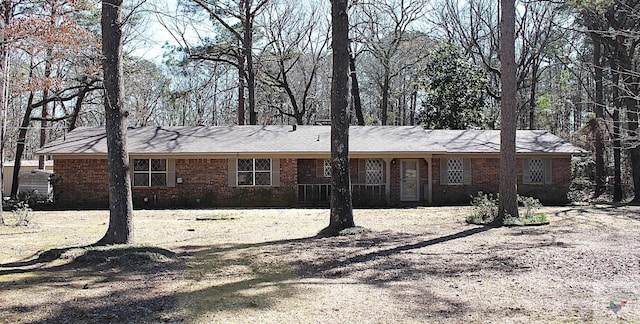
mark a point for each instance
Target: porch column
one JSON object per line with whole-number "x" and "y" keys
{"x": 387, "y": 187}
{"x": 429, "y": 180}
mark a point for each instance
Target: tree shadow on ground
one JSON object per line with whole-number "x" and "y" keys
{"x": 240, "y": 276}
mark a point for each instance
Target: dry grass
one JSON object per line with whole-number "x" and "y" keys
{"x": 414, "y": 265}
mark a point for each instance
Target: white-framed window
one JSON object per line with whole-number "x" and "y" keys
{"x": 455, "y": 171}
{"x": 374, "y": 173}
{"x": 536, "y": 171}
{"x": 326, "y": 168}
{"x": 254, "y": 172}
{"x": 150, "y": 172}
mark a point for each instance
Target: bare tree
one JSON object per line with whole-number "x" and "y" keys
{"x": 295, "y": 51}
{"x": 388, "y": 26}
{"x": 120, "y": 229}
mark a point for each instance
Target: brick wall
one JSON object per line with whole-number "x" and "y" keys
{"x": 204, "y": 184}
{"x": 485, "y": 177}
{"x": 81, "y": 183}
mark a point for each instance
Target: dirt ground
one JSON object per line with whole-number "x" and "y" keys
{"x": 241, "y": 266}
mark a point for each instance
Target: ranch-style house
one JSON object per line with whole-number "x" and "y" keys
{"x": 264, "y": 166}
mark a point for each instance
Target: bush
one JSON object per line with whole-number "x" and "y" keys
{"x": 21, "y": 214}
{"x": 486, "y": 210}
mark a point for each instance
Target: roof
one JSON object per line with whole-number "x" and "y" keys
{"x": 225, "y": 140}
{"x": 488, "y": 141}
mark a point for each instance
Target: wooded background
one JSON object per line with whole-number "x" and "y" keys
{"x": 413, "y": 62}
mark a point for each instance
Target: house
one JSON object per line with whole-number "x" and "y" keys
{"x": 288, "y": 166}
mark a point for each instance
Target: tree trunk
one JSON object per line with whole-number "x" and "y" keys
{"x": 355, "y": 90}
{"x": 241, "y": 79}
{"x": 617, "y": 157}
{"x": 598, "y": 110}
{"x": 20, "y": 143}
{"x": 341, "y": 205}
{"x": 76, "y": 108}
{"x": 508, "y": 205}
{"x": 617, "y": 143}
{"x": 45, "y": 108}
{"x": 6, "y": 10}
{"x": 385, "y": 98}
{"x": 532, "y": 96}
{"x": 248, "y": 53}
{"x": 120, "y": 229}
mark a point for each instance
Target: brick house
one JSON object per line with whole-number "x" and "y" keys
{"x": 240, "y": 166}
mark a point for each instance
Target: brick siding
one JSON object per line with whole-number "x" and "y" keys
{"x": 485, "y": 177}
{"x": 83, "y": 183}
{"x": 204, "y": 184}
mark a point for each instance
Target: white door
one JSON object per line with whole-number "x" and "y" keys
{"x": 409, "y": 176}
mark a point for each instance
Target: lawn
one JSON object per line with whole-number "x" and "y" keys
{"x": 265, "y": 265}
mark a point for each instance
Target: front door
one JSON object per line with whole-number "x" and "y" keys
{"x": 409, "y": 175}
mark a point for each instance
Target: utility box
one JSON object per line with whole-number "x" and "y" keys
{"x": 35, "y": 184}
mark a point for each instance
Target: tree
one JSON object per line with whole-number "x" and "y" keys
{"x": 389, "y": 26}
{"x": 455, "y": 91}
{"x": 120, "y": 229}
{"x": 55, "y": 43}
{"x": 6, "y": 11}
{"x": 296, "y": 43}
{"x": 244, "y": 11}
{"x": 341, "y": 205}
{"x": 508, "y": 202}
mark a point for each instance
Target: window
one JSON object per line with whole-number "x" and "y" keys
{"x": 455, "y": 171}
{"x": 254, "y": 172}
{"x": 326, "y": 168}
{"x": 374, "y": 171}
{"x": 149, "y": 172}
{"x": 536, "y": 171}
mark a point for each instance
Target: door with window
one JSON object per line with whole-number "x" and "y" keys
{"x": 409, "y": 175}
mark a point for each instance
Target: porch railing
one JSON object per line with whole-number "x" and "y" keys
{"x": 362, "y": 194}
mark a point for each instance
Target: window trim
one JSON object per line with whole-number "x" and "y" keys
{"x": 253, "y": 172}
{"x": 149, "y": 172}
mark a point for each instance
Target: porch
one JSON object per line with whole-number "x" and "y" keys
{"x": 363, "y": 195}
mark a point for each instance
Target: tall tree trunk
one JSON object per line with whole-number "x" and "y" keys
{"x": 248, "y": 53}
{"x": 617, "y": 143}
{"x": 508, "y": 205}
{"x": 598, "y": 110}
{"x": 355, "y": 90}
{"x": 632, "y": 126}
{"x": 341, "y": 205}
{"x": 120, "y": 229}
{"x": 617, "y": 157}
{"x": 6, "y": 11}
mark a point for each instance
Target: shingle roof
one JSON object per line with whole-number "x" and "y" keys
{"x": 488, "y": 141}
{"x": 304, "y": 140}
